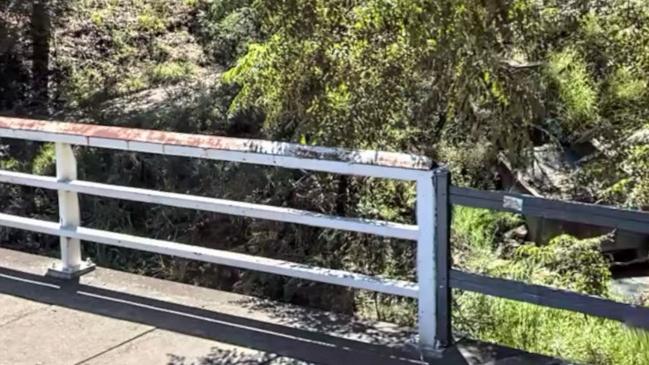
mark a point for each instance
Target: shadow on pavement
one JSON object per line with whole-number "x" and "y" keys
{"x": 277, "y": 340}
{"x": 303, "y": 341}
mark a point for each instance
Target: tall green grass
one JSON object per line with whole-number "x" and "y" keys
{"x": 565, "y": 262}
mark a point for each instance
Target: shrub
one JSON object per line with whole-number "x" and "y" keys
{"x": 577, "y": 90}
{"x": 226, "y": 29}
{"x": 171, "y": 72}
{"x": 565, "y": 262}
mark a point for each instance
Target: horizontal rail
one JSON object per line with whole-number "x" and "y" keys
{"x": 238, "y": 260}
{"x": 287, "y": 155}
{"x": 593, "y": 214}
{"x": 377, "y": 164}
{"x": 632, "y": 315}
{"x": 370, "y": 226}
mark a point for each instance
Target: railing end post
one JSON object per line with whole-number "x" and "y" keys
{"x": 443, "y": 260}
{"x": 433, "y": 262}
{"x": 426, "y": 271}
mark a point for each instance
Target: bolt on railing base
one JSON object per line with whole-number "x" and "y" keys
{"x": 60, "y": 272}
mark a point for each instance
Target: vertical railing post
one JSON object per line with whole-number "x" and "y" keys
{"x": 426, "y": 264}
{"x": 71, "y": 264}
{"x": 441, "y": 181}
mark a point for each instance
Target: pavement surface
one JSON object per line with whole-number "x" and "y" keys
{"x": 112, "y": 317}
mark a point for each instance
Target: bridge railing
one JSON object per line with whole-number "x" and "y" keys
{"x": 435, "y": 199}
{"x": 530, "y": 206}
{"x": 332, "y": 160}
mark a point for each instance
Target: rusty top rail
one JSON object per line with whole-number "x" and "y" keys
{"x": 111, "y": 137}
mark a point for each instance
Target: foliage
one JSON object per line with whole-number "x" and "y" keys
{"x": 438, "y": 77}
{"x": 462, "y": 82}
{"x": 44, "y": 161}
{"x": 110, "y": 48}
{"x": 226, "y": 28}
{"x": 566, "y": 263}
{"x": 549, "y": 331}
{"x": 387, "y": 75}
{"x": 478, "y": 230}
{"x": 638, "y": 162}
{"x": 576, "y": 89}
{"x": 171, "y": 72}
{"x": 625, "y": 183}
{"x": 14, "y": 72}
{"x": 613, "y": 40}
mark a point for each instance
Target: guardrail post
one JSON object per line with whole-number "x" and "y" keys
{"x": 70, "y": 217}
{"x": 427, "y": 313}
{"x": 441, "y": 181}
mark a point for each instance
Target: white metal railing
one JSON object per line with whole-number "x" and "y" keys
{"x": 287, "y": 155}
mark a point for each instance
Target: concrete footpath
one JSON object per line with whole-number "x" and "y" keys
{"x": 111, "y": 317}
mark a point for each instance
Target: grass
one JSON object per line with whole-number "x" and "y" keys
{"x": 45, "y": 160}
{"x": 553, "y": 332}
{"x": 564, "y": 262}
{"x": 171, "y": 72}
{"x": 577, "y": 91}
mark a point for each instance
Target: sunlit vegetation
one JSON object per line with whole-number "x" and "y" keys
{"x": 471, "y": 85}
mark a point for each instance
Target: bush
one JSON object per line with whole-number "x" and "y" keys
{"x": 171, "y": 72}
{"x": 565, "y": 262}
{"x": 577, "y": 90}
{"x": 121, "y": 42}
{"x": 226, "y": 29}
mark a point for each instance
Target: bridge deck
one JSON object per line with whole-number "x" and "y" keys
{"x": 111, "y": 317}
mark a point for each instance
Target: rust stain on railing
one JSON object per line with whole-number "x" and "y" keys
{"x": 387, "y": 159}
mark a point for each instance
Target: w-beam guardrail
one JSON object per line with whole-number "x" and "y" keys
{"x": 332, "y": 160}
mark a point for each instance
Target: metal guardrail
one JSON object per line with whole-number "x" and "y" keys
{"x": 550, "y": 297}
{"x": 611, "y": 217}
{"x": 597, "y": 215}
{"x": 286, "y": 155}
{"x": 435, "y": 197}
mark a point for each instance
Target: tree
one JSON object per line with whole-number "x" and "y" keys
{"x": 392, "y": 74}
{"x": 457, "y": 80}
{"x": 40, "y": 33}
{"x": 14, "y": 18}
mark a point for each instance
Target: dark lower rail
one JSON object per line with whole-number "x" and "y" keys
{"x": 597, "y": 215}
{"x": 635, "y": 316}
